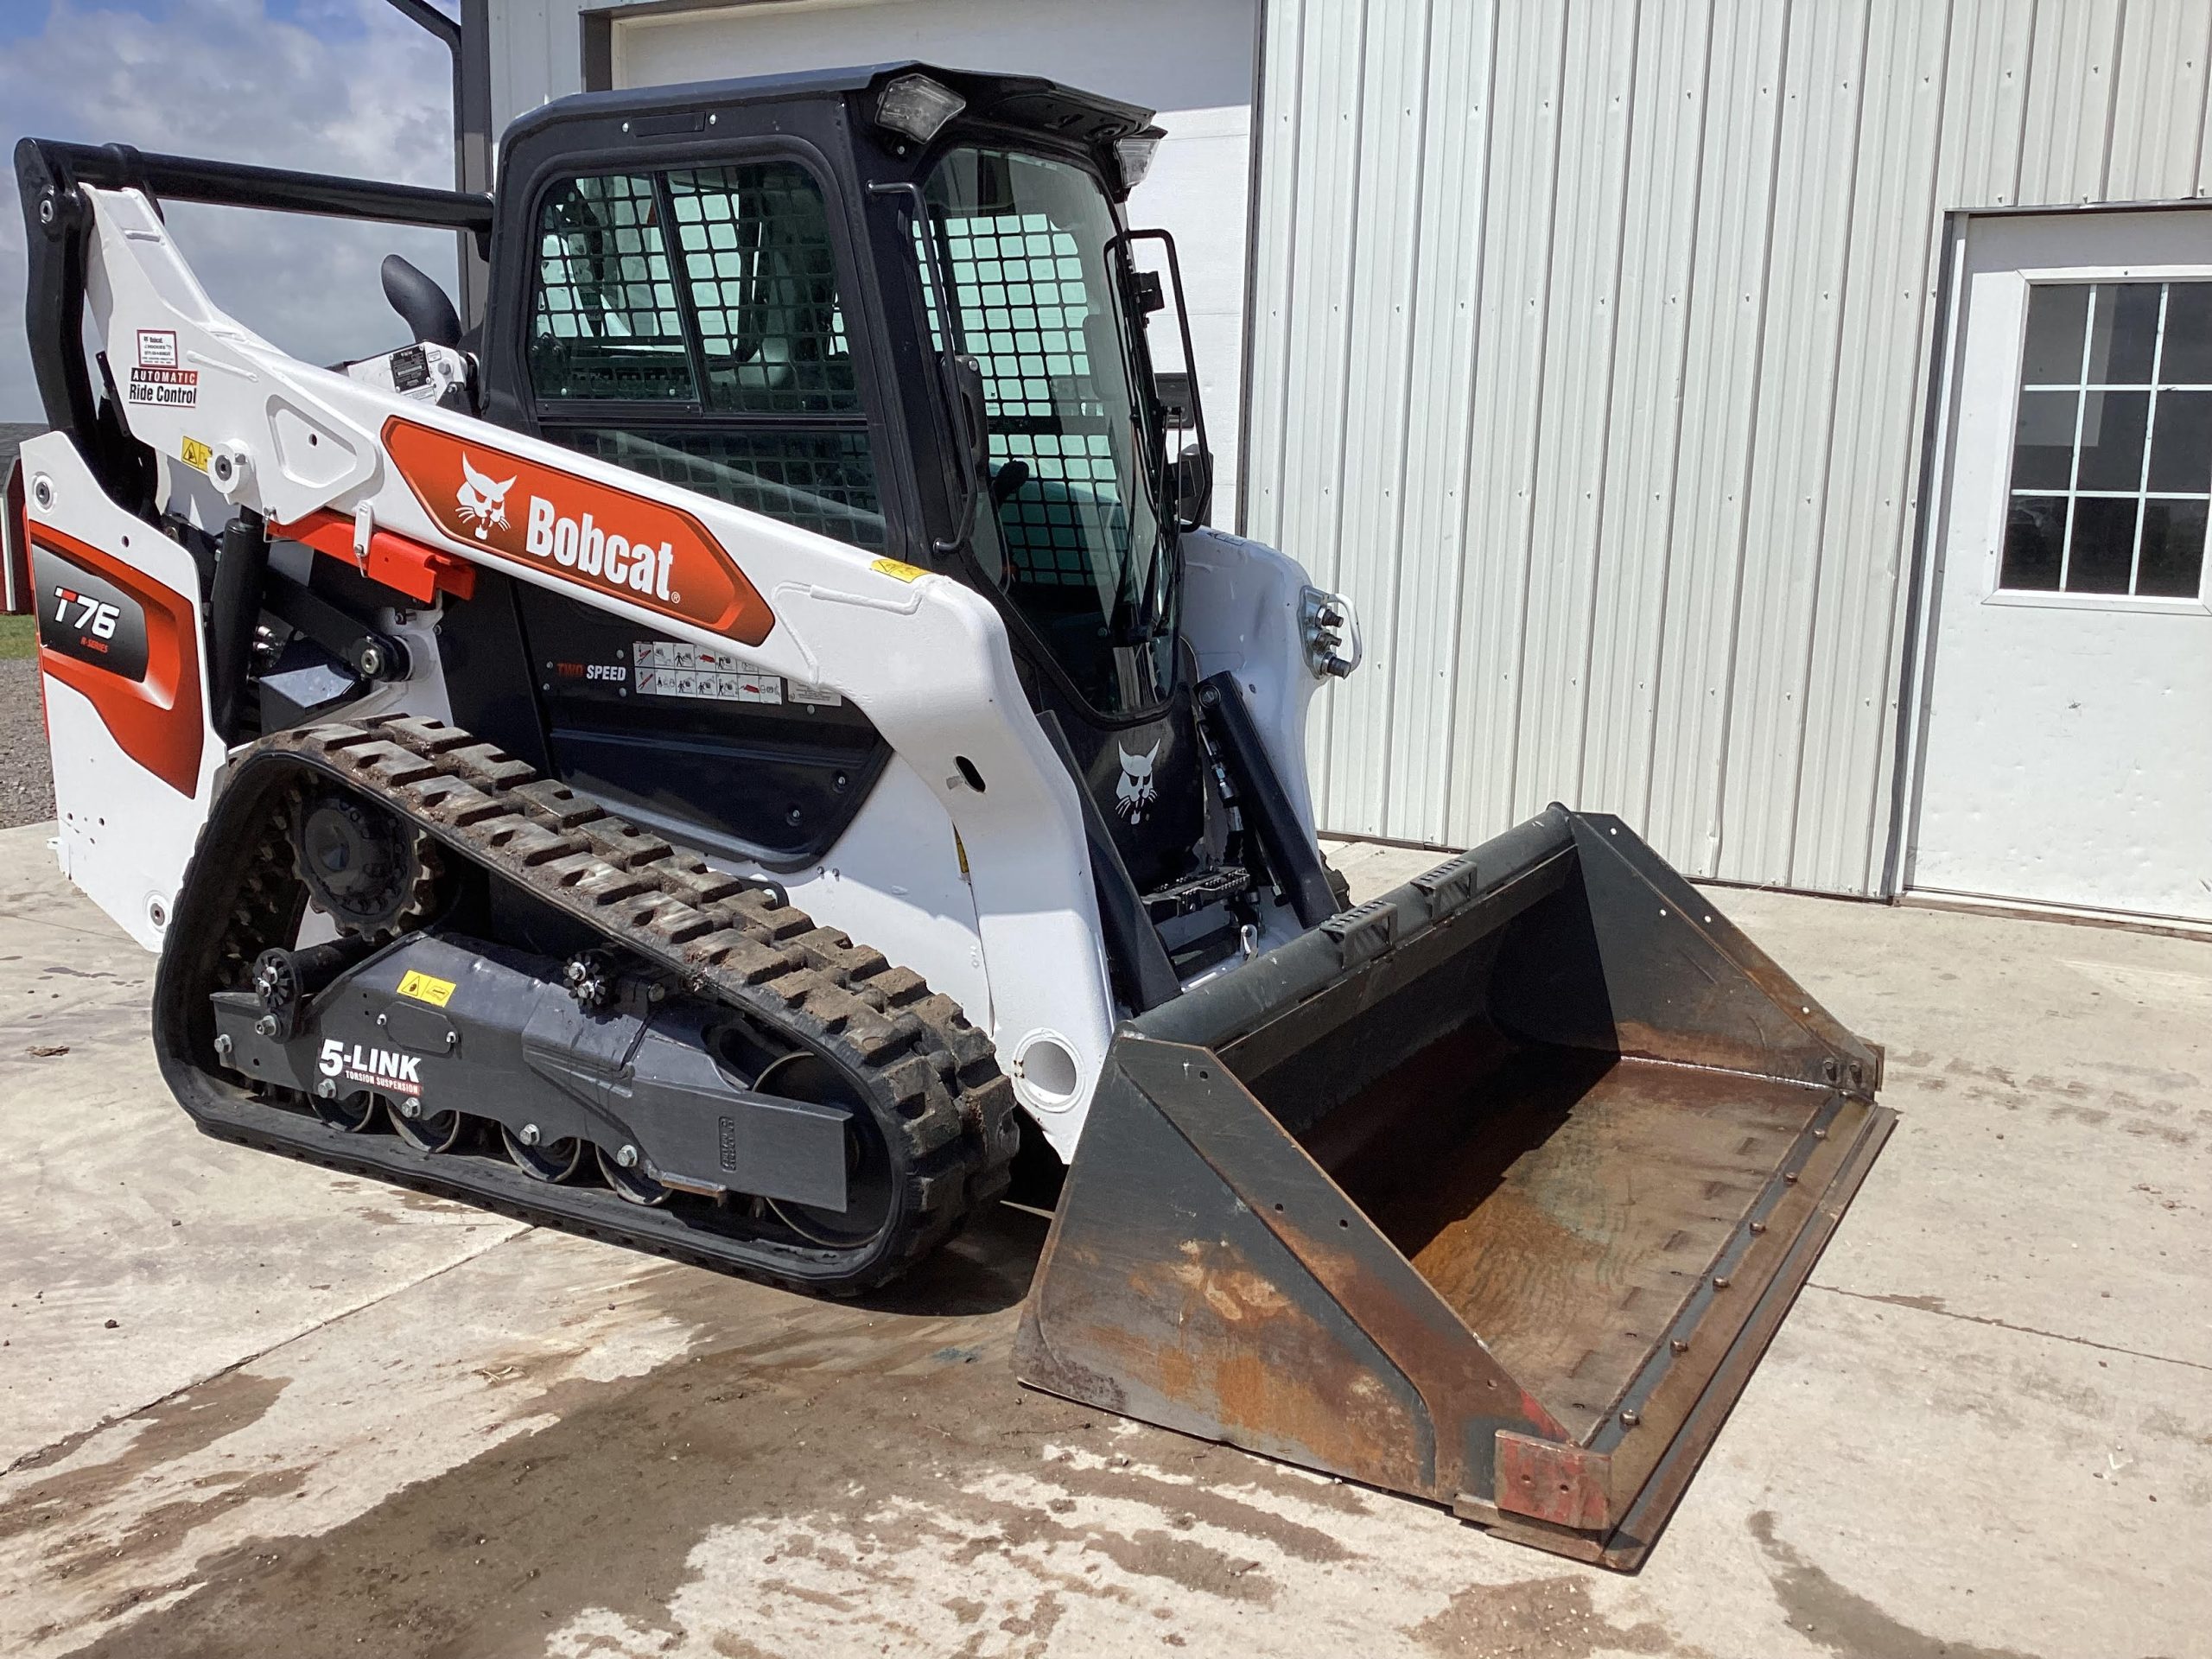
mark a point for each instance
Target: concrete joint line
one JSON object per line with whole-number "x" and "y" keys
{"x": 69, "y": 1442}
{"x": 1915, "y": 1305}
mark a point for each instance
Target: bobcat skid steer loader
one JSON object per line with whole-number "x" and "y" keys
{"x": 725, "y": 754}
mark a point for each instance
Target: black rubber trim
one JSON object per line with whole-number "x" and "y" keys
{"x": 1294, "y": 860}
{"x": 1142, "y": 970}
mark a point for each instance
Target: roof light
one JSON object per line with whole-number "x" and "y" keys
{"x": 918, "y": 107}
{"x": 1134, "y": 153}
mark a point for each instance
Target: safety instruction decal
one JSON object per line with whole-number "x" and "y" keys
{"x": 670, "y": 668}
{"x": 157, "y": 379}
{"x": 425, "y": 987}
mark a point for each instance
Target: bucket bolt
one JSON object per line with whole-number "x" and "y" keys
{"x": 527, "y": 1134}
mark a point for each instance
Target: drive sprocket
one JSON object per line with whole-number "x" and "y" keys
{"x": 372, "y": 873}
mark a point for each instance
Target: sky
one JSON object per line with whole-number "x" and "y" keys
{"x": 344, "y": 87}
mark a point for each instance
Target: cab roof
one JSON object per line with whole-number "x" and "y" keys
{"x": 1022, "y": 101}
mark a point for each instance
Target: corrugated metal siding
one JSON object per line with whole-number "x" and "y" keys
{"x": 1589, "y": 354}
{"x": 535, "y": 53}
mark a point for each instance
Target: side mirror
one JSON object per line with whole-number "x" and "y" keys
{"x": 422, "y": 304}
{"x": 1191, "y": 480}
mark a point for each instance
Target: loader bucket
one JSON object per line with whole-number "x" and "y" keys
{"x": 1491, "y": 1191}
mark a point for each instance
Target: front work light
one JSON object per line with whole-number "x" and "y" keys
{"x": 1134, "y": 153}
{"x": 917, "y": 107}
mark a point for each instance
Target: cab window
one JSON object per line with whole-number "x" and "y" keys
{"x": 687, "y": 325}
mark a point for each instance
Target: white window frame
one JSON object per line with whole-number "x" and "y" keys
{"x": 2080, "y": 276}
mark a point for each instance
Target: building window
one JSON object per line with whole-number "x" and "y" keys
{"x": 2112, "y": 447}
{"x": 687, "y": 325}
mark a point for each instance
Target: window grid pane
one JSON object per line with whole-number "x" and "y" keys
{"x": 751, "y": 298}
{"x": 2116, "y": 504}
{"x": 1026, "y": 315}
{"x": 763, "y": 278}
{"x": 605, "y": 323}
{"x": 822, "y": 482}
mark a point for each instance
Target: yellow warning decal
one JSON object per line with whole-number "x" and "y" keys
{"x": 899, "y": 569}
{"x": 423, "y": 988}
{"x": 196, "y": 454}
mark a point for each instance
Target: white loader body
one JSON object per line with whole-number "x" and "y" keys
{"x": 986, "y": 890}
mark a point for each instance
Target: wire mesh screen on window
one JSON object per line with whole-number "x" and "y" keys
{"x": 607, "y": 323}
{"x": 754, "y": 281}
{"x": 2112, "y": 447}
{"x": 762, "y": 277}
{"x": 822, "y": 482}
{"x": 1027, "y": 317}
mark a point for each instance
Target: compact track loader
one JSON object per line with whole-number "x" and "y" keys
{"x": 732, "y": 752}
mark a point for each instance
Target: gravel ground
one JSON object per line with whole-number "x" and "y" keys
{"x": 26, "y": 781}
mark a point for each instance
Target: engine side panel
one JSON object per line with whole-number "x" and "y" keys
{"x": 135, "y": 758}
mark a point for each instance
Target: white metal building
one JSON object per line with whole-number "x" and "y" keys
{"x": 1651, "y": 373}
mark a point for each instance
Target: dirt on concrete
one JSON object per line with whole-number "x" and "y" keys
{"x": 778, "y": 1470}
{"x": 26, "y": 776}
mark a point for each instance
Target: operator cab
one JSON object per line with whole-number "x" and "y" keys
{"x": 899, "y": 307}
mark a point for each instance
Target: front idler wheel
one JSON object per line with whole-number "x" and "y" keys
{"x": 871, "y": 1185}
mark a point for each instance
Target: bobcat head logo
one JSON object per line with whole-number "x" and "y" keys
{"x": 483, "y": 503}
{"x": 1135, "y": 791}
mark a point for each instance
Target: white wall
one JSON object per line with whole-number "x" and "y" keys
{"x": 1190, "y": 59}
{"x": 1590, "y": 354}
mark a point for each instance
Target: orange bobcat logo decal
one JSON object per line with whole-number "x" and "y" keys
{"x": 594, "y": 536}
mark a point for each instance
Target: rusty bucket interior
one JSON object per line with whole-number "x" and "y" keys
{"x": 1491, "y": 1190}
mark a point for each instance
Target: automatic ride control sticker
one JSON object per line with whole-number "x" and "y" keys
{"x": 157, "y": 378}
{"x": 592, "y": 536}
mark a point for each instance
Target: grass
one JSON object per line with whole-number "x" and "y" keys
{"x": 18, "y": 636}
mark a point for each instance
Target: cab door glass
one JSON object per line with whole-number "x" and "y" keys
{"x": 1076, "y": 541}
{"x": 605, "y": 323}
{"x": 687, "y": 327}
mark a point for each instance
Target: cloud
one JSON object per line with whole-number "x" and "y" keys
{"x": 343, "y": 86}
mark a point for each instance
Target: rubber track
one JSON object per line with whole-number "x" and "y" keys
{"x": 934, "y": 1077}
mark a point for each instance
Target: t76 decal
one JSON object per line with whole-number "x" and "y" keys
{"x": 83, "y": 615}
{"x": 598, "y": 537}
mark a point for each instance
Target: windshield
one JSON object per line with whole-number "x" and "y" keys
{"x": 1027, "y": 246}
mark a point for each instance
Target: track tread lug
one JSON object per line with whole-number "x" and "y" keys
{"x": 563, "y": 805}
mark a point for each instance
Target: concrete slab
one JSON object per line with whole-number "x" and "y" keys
{"x": 141, "y": 1257}
{"x": 1984, "y": 1430}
